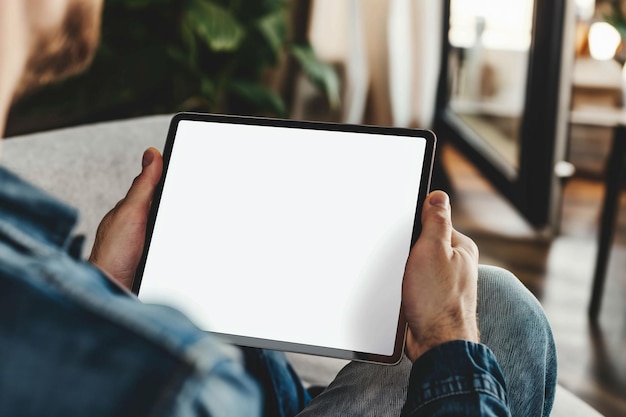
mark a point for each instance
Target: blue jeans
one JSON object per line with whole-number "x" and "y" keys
{"x": 512, "y": 324}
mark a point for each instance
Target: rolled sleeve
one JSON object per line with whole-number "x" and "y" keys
{"x": 457, "y": 378}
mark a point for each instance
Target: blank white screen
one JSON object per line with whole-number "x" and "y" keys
{"x": 286, "y": 234}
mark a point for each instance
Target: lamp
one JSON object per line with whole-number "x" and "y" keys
{"x": 604, "y": 40}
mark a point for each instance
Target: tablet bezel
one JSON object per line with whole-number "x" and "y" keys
{"x": 425, "y": 177}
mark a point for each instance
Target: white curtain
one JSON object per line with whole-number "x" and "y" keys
{"x": 390, "y": 50}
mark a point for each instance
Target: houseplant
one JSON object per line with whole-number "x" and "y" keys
{"x": 613, "y": 12}
{"x": 163, "y": 56}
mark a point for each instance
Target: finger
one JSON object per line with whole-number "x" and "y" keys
{"x": 143, "y": 186}
{"x": 460, "y": 241}
{"x": 411, "y": 347}
{"x": 436, "y": 218}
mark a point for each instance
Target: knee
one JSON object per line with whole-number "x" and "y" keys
{"x": 506, "y": 304}
{"x": 513, "y": 324}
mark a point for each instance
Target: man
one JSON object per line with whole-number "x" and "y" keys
{"x": 74, "y": 341}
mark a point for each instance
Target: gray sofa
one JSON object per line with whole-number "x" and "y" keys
{"x": 91, "y": 167}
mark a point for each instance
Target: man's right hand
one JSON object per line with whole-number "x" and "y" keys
{"x": 440, "y": 282}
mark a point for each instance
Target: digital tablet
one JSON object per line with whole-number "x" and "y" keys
{"x": 287, "y": 235}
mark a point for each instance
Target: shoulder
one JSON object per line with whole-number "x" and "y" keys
{"x": 66, "y": 321}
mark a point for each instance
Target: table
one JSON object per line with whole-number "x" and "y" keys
{"x": 614, "y": 176}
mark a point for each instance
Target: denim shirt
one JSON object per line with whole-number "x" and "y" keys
{"x": 458, "y": 379}
{"x": 73, "y": 343}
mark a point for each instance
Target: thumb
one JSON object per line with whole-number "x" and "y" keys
{"x": 436, "y": 218}
{"x": 144, "y": 184}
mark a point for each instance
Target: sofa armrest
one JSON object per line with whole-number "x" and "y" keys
{"x": 89, "y": 167}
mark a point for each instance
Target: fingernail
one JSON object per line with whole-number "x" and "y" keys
{"x": 439, "y": 199}
{"x": 147, "y": 159}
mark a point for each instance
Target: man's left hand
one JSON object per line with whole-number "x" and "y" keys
{"x": 120, "y": 238}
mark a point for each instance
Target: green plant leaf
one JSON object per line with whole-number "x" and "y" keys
{"x": 273, "y": 27}
{"x": 259, "y": 97}
{"x": 188, "y": 40}
{"x": 215, "y": 25}
{"x": 321, "y": 74}
{"x": 208, "y": 89}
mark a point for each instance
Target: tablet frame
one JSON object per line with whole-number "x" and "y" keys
{"x": 425, "y": 178}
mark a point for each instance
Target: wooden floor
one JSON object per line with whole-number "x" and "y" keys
{"x": 558, "y": 270}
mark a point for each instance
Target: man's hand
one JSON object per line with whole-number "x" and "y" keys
{"x": 120, "y": 237}
{"x": 440, "y": 282}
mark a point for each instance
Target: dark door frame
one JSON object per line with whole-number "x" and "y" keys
{"x": 529, "y": 188}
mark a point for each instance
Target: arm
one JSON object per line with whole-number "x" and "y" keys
{"x": 217, "y": 383}
{"x": 452, "y": 375}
